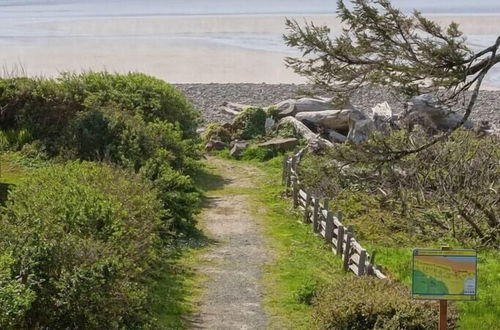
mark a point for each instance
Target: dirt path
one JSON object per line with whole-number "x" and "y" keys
{"x": 232, "y": 296}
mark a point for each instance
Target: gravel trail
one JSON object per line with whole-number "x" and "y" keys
{"x": 232, "y": 296}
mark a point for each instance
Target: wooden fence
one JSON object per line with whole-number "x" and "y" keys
{"x": 328, "y": 224}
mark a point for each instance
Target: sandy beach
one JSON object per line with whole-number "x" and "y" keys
{"x": 188, "y": 49}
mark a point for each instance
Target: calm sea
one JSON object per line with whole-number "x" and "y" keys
{"x": 54, "y": 9}
{"x": 17, "y": 17}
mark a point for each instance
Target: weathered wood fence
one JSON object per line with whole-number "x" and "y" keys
{"x": 328, "y": 224}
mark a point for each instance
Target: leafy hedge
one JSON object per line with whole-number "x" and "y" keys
{"x": 133, "y": 120}
{"x": 76, "y": 251}
{"x": 250, "y": 123}
{"x": 45, "y": 106}
{"x": 369, "y": 303}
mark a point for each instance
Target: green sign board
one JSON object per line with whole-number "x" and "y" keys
{"x": 444, "y": 274}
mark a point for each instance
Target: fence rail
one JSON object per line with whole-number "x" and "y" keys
{"x": 328, "y": 224}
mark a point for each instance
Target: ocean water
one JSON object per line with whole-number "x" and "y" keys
{"x": 98, "y": 8}
{"x": 21, "y": 21}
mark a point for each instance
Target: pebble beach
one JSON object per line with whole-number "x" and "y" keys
{"x": 209, "y": 97}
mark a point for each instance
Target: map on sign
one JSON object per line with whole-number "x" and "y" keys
{"x": 444, "y": 274}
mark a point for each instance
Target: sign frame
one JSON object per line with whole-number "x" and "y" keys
{"x": 444, "y": 253}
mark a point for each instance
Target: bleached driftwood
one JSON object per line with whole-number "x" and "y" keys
{"x": 291, "y": 107}
{"x": 331, "y": 119}
{"x": 233, "y": 108}
{"x": 305, "y": 132}
{"x": 427, "y": 111}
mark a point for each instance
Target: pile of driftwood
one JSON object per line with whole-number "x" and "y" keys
{"x": 319, "y": 122}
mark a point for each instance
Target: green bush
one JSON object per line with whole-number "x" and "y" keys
{"x": 250, "y": 123}
{"x": 130, "y": 120}
{"x": 47, "y": 105}
{"x": 370, "y": 303}
{"x": 81, "y": 240}
{"x": 15, "y": 298}
{"x": 306, "y": 293}
{"x": 180, "y": 197}
{"x": 127, "y": 140}
{"x": 215, "y": 131}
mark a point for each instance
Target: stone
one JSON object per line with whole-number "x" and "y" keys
{"x": 269, "y": 122}
{"x": 237, "y": 148}
{"x": 382, "y": 116}
{"x": 281, "y": 144}
{"x": 215, "y": 145}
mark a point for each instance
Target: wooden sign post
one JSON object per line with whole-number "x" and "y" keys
{"x": 444, "y": 274}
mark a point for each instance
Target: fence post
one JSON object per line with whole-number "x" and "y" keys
{"x": 326, "y": 203}
{"x": 294, "y": 164}
{"x": 295, "y": 192}
{"x": 340, "y": 240}
{"x": 361, "y": 264}
{"x": 316, "y": 228}
{"x": 285, "y": 167}
{"x": 347, "y": 250}
{"x": 288, "y": 182}
{"x": 306, "y": 208}
{"x": 340, "y": 216}
{"x": 329, "y": 227}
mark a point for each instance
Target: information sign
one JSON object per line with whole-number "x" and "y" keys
{"x": 444, "y": 274}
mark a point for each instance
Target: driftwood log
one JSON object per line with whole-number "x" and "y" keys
{"x": 291, "y": 107}
{"x": 305, "y": 132}
{"x": 337, "y": 120}
{"x": 233, "y": 108}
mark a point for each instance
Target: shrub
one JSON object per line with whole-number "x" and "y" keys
{"x": 46, "y": 106}
{"x": 82, "y": 240}
{"x": 449, "y": 191}
{"x": 215, "y": 131}
{"x": 127, "y": 140}
{"x": 306, "y": 293}
{"x": 14, "y": 139}
{"x": 370, "y": 303}
{"x": 180, "y": 197}
{"x": 250, "y": 123}
{"x": 15, "y": 298}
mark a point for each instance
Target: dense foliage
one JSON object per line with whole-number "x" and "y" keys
{"x": 78, "y": 242}
{"x": 250, "y": 123}
{"x": 451, "y": 190}
{"x": 133, "y": 120}
{"x": 368, "y": 303}
{"x": 81, "y": 241}
{"x": 46, "y": 106}
{"x": 217, "y": 132}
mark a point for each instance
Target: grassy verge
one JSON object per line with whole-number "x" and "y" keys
{"x": 178, "y": 285}
{"x": 300, "y": 259}
{"x": 178, "y": 288}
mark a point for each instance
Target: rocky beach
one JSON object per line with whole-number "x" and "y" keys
{"x": 208, "y": 98}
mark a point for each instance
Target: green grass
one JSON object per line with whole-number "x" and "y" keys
{"x": 178, "y": 286}
{"x": 299, "y": 259}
